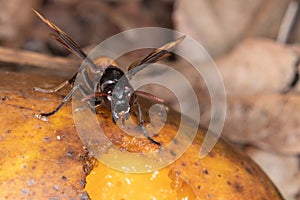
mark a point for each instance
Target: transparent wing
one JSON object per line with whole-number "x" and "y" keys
{"x": 66, "y": 41}
{"x": 153, "y": 57}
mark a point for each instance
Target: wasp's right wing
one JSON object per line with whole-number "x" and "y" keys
{"x": 153, "y": 57}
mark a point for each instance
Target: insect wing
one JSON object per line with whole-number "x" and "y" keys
{"x": 62, "y": 37}
{"x": 66, "y": 41}
{"x": 153, "y": 57}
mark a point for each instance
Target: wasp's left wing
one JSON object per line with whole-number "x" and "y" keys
{"x": 66, "y": 40}
{"x": 153, "y": 57}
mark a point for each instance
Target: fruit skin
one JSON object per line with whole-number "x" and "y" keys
{"x": 45, "y": 160}
{"x": 38, "y": 160}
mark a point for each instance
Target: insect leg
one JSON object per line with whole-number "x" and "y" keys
{"x": 44, "y": 116}
{"x": 71, "y": 81}
{"x": 141, "y": 124}
{"x": 57, "y": 88}
{"x": 88, "y": 80}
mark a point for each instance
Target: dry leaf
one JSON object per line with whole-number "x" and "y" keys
{"x": 219, "y": 25}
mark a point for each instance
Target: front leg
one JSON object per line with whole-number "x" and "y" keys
{"x": 141, "y": 124}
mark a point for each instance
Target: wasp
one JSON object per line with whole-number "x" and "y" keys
{"x": 112, "y": 89}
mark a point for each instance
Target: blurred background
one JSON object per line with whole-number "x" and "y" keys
{"x": 255, "y": 45}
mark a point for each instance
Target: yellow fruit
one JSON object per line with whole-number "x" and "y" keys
{"x": 41, "y": 160}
